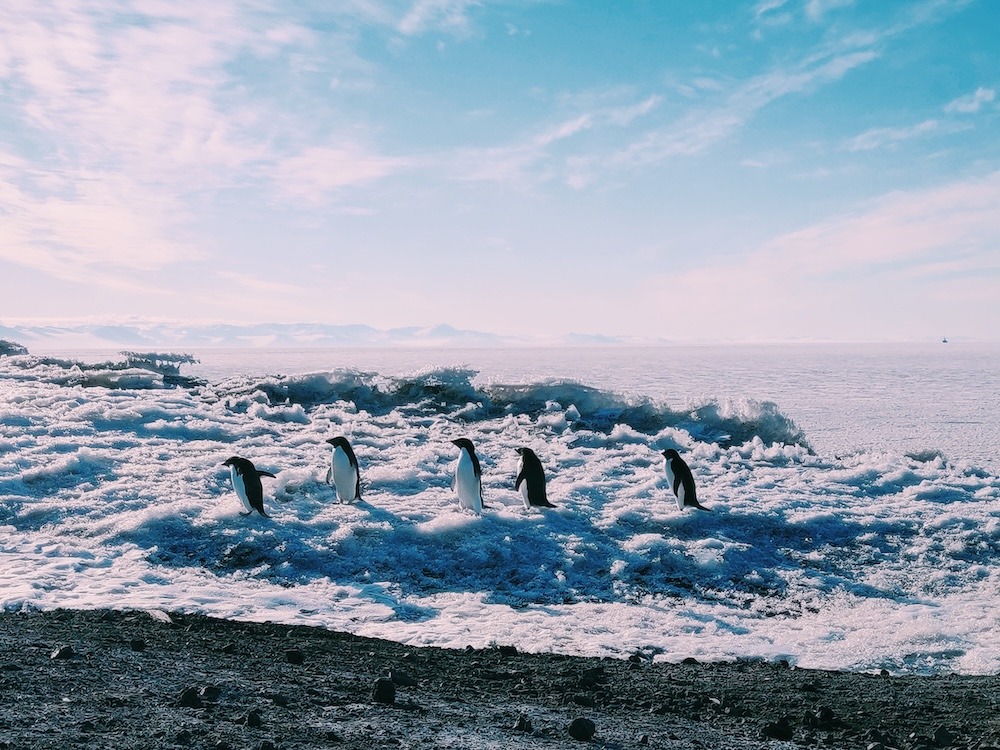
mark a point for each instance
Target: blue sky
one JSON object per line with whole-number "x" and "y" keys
{"x": 773, "y": 170}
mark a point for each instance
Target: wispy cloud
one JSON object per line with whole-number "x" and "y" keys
{"x": 971, "y": 103}
{"x": 882, "y": 137}
{"x": 124, "y": 114}
{"x": 703, "y": 128}
{"x": 946, "y": 237}
{"x": 768, "y": 6}
{"x": 450, "y": 15}
{"x": 522, "y": 162}
{"x": 319, "y": 171}
{"x": 816, "y": 9}
{"x": 901, "y": 229}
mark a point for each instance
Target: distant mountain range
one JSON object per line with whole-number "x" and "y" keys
{"x": 158, "y": 335}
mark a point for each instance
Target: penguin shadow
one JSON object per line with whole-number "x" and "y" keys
{"x": 757, "y": 547}
{"x": 377, "y": 513}
{"x": 404, "y": 611}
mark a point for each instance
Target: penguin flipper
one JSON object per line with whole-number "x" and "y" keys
{"x": 248, "y": 513}
{"x": 262, "y": 473}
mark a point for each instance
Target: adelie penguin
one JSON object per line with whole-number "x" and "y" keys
{"x": 681, "y": 481}
{"x": 531, "y": 480}
{"x": 468, "y": 479}
{"x": 343, "y": 473}
{"x": 246, "y": 482}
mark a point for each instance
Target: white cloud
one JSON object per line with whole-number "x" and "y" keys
{"x": 564, "y": 130}
{"x": 768, "y": 6}
{"x": 86, "y": 226}
{"x": 854, "y": 272}
{"x": 889, "y": 137}
{"x": 971, "y": 103}
{"x": 625, "y": 115}
{"x": 319, "y": 171}
{"x": 816, "y": 9}
{"x": 451, "y": 15}
{"x": 702, "y": 128}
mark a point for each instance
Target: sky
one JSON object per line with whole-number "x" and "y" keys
{"x": 726, "y": 171}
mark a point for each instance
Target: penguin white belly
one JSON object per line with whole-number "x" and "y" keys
{"x": 345, "y": 478}
{"x": 467, "y": 485}
{"x": 240, "y": 487}
{"x": 524, "y": 485}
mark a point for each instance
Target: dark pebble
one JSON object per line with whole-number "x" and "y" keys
{"x": 189, "y": 698}
{"x": 523, "y": 724}
{"x": 399, "y": 677}
{"x": 267, "y": 745}
{"x": 229, "y": 648}
{"x": 582, "y": 729}
{"x": 778, "y": 730}
{"x": 253, "y": 719}
{"x": 384, "y": 691}
{"x": 507, "y": 651}
{"x": 137, "y": 644}
{"x": 944, "y": 737}
{"x": 63, "y": 652}
{"x": 597, "y": 674}
{"x": 210, "y": 693}
{"x": 294, "y": 656}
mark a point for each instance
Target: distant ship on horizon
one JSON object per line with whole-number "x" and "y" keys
{"x": 944, "y": 340}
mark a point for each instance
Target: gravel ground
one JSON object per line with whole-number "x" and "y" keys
{"x": 109, "y": 679}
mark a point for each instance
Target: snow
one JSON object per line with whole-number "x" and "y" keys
{"x": 873, "y": 545}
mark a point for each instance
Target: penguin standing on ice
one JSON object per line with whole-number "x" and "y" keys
{"x": 681, "y": 481}
{"x": 246, "y": 482}
{"x": 468, "y": 479}
{"x": 343, "y": 473}
{"x": 531, "y": 480}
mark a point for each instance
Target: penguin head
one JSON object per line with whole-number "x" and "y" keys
{"x": 464, "y": 444}
{"x": 340, "y": 441}
{"x": 237, "y": 462}
{"x": 670, "y": 454}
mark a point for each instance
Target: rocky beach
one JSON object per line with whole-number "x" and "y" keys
{"x": 136, "y": 679}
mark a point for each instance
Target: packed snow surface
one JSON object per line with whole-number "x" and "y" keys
{"x": 855, "y": 503}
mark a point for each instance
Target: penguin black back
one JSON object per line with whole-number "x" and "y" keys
{"x": 531, "y": 480}
{"x": 681, "y": 480}
{"x": 246, "y": 482}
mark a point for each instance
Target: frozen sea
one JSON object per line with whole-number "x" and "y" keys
{"x": 854, "y": 491}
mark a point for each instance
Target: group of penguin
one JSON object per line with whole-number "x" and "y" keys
{"x": 345, "y": 476}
